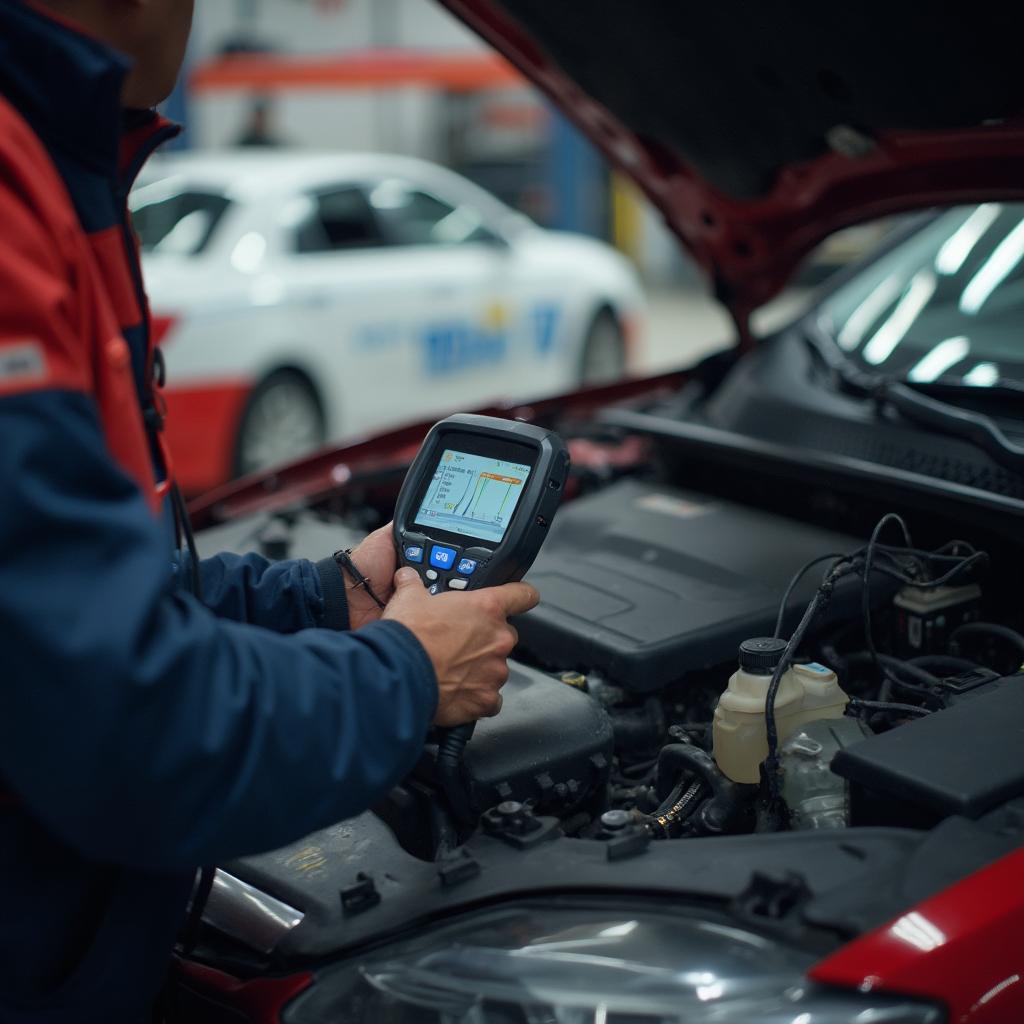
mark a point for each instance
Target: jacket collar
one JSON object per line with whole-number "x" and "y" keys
{"x": 142, "y": 131}
{"x": 67, "y": 85}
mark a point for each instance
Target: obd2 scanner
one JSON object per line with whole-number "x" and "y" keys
{"x": 477, "y": 501}
{"x": 473, "y": 512}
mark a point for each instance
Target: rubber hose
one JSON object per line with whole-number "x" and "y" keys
{"x": 881, "y": 705}
{"x": 728, "y": 805}
{"x": 918, "y": 675}
{"x": 669, "y": 820}
{"x": 993, "y": 629}
{"x": 944, "y": 663}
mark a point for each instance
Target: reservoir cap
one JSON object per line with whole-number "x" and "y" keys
{"x": 762, "y": 654}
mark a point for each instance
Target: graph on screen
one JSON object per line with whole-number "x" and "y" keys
{"x": 473, "y": 495}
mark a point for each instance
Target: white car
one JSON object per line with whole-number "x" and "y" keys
{"x": 301, "y": 298}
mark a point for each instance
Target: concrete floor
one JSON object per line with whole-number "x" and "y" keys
{"x": 685, "y": 324}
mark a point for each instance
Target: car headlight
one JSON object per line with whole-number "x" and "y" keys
{"x": 573, "y": 963}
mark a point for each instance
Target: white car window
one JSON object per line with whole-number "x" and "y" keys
{"x": 339, "y": 219}
{"x": 181, "y": 224}
{"x": 411, "y": 216}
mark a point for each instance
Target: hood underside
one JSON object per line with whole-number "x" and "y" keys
{"x": 761, "y": 128}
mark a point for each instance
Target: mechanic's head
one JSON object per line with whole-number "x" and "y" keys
{"x": 152, "y": 32}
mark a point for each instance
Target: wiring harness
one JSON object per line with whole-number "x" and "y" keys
{"x": 906, "y": 564}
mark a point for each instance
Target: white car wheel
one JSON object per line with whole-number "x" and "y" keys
{"x": 282, "y": 420}
{"x": 603, "y": 359}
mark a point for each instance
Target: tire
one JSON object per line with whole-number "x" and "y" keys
{"x": 603, "y": 357}
{"x": 283, "y": 419}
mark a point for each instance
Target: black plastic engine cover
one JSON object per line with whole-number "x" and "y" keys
{"x": 966, "y": 759}
{"x": 551, "y": 743}
{"x": 644, "y": 582}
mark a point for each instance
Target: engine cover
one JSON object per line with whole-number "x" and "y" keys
{"x": 644, "y": 582}
{"x": 551, "y": 744}
{"x": 964, "y": 760}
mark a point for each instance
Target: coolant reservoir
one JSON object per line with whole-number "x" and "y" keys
{"x": 806, "y": 693}
{"x": 823, "y": 697}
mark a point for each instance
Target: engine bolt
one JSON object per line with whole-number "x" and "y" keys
{"x": 577, "y": 680}
{"x": 615, "y": 821}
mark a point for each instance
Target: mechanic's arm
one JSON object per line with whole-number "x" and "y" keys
{"x": 298, "y": 594}
{"x": 134, "y": 723}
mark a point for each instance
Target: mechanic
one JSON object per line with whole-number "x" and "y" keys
{"x": 258, "y": 131}
{"x": 145, "y": 732}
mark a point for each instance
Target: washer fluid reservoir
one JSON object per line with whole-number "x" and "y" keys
{"x": 806, "y": 693}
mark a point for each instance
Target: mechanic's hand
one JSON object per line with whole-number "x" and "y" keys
{"x": 375, "y": 558}
{"x": 467, "y": 638}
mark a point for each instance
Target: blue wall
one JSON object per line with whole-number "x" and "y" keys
{"x": 578, "y": 180}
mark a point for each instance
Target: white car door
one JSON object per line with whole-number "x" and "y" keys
{"x": 506, "y": 337}
{"x": 467, "y": 346}
{"x": 413, "y": 306}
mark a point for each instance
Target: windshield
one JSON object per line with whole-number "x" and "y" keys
{"x": 945, "y": 304}
{"x": 178, "y": 221}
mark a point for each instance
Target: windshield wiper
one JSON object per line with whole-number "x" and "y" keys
{"x": 979, "y": 429}
{"x": 975, "y": 427}
{"x": 1004, "y": 388}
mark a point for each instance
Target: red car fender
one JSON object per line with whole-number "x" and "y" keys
{"x": 964, "y": 946}
{"x": 260, "y": 999}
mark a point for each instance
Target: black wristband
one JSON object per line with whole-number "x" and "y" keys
{"x": 345, "y": 563}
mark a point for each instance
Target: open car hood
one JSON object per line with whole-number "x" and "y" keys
{"x": 760, "y": 129}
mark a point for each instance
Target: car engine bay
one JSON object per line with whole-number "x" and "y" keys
{"x": 825, "y": 684}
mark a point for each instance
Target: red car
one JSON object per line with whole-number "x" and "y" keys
{"x": 838, "y": 507}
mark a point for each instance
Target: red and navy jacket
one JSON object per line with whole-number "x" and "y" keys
{"x": 142, "y": 732}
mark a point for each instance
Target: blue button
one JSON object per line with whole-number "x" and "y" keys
{"x": 414, "y": 553}
{"x": 442, "y": 558}
{"x": 466, "y": 566}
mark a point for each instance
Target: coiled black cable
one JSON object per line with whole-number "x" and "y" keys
{"x": 450, "y": 748}
{"x": 183, "y": 528}
{"x": 204, "y": 885}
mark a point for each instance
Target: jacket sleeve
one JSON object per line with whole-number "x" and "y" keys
{"x": 282, "y": 596}
{"x": 134, "y": 723}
